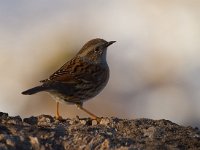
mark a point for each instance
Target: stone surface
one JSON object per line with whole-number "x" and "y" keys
{"x": 45, "y": 132}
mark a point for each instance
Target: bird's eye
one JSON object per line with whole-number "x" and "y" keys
{"x": 97, "y": 49}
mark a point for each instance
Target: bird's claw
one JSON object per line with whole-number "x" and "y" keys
{"x": 58, "y": 118}
{"x": 98, "y": 119}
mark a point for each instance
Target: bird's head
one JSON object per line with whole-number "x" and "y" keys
{"x": 95, "y": 50}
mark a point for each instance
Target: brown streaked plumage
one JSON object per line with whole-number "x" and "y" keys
{"x": 81, "y": 78}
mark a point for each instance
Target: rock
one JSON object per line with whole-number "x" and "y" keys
{"x": 14, "y": 120}
{"x": 105, "y": 121}
{"x": 34, "y": 142}
{"x": 45, "y": 132}
{"x": 153, "y": 132}
{"x": 32, "y": 120}
{"x": 3, "y": 115}
{"x": 44, "y": 120}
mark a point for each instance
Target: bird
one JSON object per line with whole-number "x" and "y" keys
{"x": 79, "y": 79}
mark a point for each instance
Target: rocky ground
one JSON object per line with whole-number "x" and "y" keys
{"x": 45, "y": 132}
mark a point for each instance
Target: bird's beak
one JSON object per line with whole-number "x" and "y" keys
{"x": 109, "y": 43}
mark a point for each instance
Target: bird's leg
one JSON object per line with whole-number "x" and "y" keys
{"x": 57, "y": 111}
{"x": 93, "y": 116}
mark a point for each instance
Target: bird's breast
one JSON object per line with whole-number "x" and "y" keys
{"x": 100, "y": 80}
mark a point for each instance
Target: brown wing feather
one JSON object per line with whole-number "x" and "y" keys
{"x": 74, "y": 71}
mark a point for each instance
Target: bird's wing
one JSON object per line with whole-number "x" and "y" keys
{"x": 74, "y": 71}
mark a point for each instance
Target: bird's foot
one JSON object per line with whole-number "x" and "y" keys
{"x": 59, "y": 118}
{"x": 98, "y": 119}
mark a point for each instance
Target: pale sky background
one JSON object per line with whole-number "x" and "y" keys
{"x": 155, "y": 65}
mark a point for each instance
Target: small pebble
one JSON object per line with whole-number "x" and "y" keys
{"x": 105, "y": 121}
{"x": 10, "y": 142}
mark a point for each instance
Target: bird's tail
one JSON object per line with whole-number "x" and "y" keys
{"x": 33, "y": 90}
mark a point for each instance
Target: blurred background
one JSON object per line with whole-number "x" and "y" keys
{"x": 155, "y": 65}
